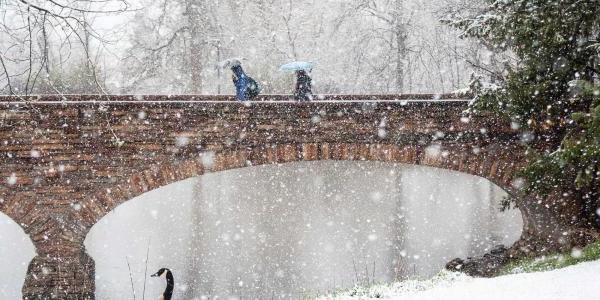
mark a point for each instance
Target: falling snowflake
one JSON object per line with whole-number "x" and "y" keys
{"x": 182, "y": 141}
{"x": 12, "y": 179}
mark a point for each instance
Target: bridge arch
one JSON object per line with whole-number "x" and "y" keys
{"x": 16, "y": 251}
{"x": 76, "y": 158}
{"x": 496, "y": 164}
{"x": 175, "y": 205}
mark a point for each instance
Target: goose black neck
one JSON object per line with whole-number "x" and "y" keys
{"x": 170, "y": 286}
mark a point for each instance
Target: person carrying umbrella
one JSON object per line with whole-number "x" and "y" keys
{"x": 246, "y": 88}
{"x": 302, "y": 69}
{"x": 303, "y": 86}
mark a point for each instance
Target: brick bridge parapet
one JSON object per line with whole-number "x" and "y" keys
{"x": 69, "y": 160}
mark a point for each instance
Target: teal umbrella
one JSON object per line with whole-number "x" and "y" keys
{"x": 297, "y": 66}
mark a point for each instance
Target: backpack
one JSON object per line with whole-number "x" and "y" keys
{"x": 253, "y": 88}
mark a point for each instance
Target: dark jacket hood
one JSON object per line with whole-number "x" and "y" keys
{"x": 238, "y": 71}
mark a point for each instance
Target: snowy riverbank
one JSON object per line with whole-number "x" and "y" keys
{"x": 574, "y": 282}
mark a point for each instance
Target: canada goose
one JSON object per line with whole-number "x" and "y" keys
{"x": 168, "y": 293}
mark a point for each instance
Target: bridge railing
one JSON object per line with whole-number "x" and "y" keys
{"x": 231, "y": 98}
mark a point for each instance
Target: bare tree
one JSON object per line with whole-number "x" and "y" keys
{"x": 29, "y": 28}
{"x": 170, "y": 50}
{"x": 196, "y": 17}
{"x": 393, "y": 17}
{"x": 401, "y": 35}
{"x": 358, "y": 46}
{"x": 485, "y": 60}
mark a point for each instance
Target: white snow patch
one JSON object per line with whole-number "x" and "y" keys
{"x": 574, "y": 282}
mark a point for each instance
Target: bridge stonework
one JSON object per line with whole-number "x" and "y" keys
{"x": 68, "y": 161}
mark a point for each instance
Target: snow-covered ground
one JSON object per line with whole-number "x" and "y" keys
{"x": 577, "y": 282}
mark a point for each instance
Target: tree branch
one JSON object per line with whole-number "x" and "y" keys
{"x": 10, "y": 89}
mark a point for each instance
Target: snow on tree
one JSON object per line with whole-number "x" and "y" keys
{"x": 553, "y": 95}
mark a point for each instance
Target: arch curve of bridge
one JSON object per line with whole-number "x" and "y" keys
{"x": 495, "y": 166}
{"x": 16, "y": 247}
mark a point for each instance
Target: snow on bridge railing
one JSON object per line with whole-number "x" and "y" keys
{"x": 72, "y": 98}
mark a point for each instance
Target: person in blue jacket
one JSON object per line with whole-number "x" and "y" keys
{"x": 246, "y": 88}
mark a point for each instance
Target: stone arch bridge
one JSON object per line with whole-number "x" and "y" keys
{"x": 66, "y": 161}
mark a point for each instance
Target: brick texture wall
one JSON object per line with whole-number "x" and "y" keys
{"x": 68, "y": 161}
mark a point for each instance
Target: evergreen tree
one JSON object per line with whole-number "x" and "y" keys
{"x": 553, "y": 93}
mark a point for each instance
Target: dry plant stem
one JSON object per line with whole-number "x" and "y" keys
{"x": 130, "y": 277}
{"x": 146, "y": 270}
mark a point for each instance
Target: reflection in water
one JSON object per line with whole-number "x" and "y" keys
{"x": 293, "y": 230}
